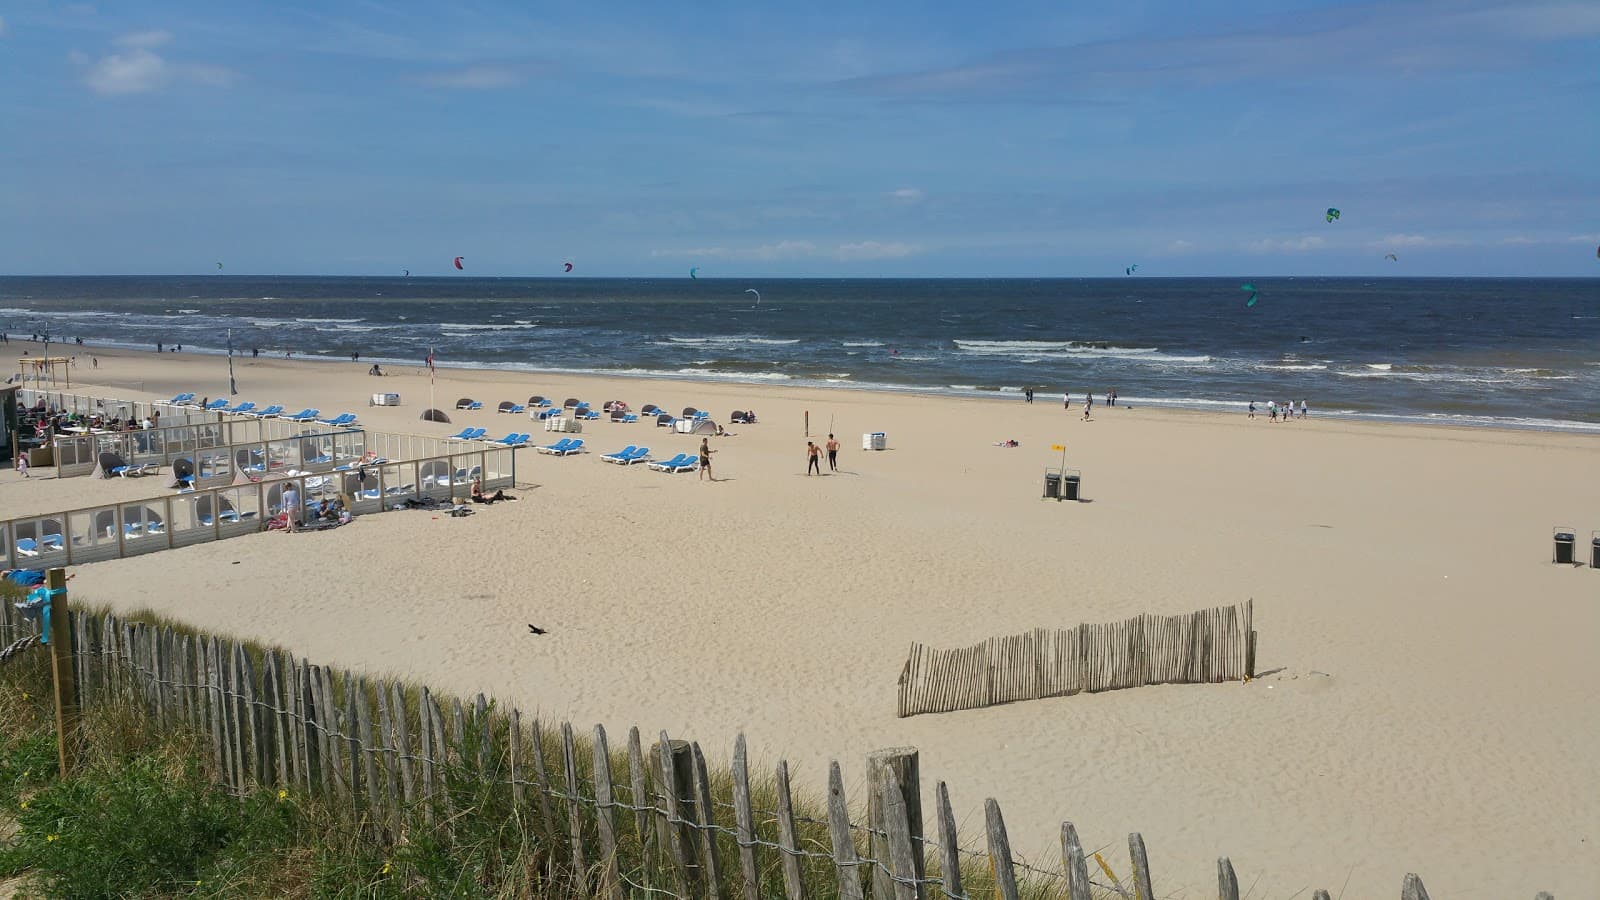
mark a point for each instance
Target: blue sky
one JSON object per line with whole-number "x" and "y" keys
{"x": 857, "y": 139}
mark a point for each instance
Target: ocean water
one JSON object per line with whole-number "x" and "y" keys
{"x": 1521, "y": 352}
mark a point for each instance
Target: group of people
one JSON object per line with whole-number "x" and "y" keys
{"x": 1277, "y": 412}
{"x": 814, "y": 456}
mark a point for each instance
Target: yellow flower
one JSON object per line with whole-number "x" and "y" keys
{"x": 387, "y": 868}
{"x": 24, "y": 695}
{"x": 283, "y": 795}
{"x": 24, "y": 804}
{"x": 50, "y": 838}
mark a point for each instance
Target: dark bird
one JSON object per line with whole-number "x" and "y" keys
{"x": 536, "y": 629}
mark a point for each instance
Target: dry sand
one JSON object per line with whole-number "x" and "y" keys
{"x": 1431, "y": 702}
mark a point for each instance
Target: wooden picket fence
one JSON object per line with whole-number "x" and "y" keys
{"x": 1203, "y": 647}
{"x": 637, "y": 823}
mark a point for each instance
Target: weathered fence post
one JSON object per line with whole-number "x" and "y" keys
{"x": 1321, "y": 895}
{"x": 793, "y": 886}
{"x": 541, "y": 774}
{"x": 707, "y": 818}
{"x": 675, "y": 778}
{"x": 641, "y": 799}
{"x": 845, "y": 860}
{"x": 903, "y": 764}
{"x": 1412, "y": 889}
{"x": 605, "y": 817}
{"x": 569, "y": 760}
{"x": 1227, "y": 882}
{"x": 901, "y": 875}
{"x": 1073, "y": 863}
{"x": 744, "y": 821}
{"x": 66, "y": 686}
{"x": 1005, "y": 875}
{"x": 425, "y": 736}
{"x": 1141, "y": 867}
{"x": 1543, "y": 895}
{"x": 949, "y": 849}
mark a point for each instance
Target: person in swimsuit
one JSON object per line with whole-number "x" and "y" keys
{"x": 833, "y": 454}
{"x": 705, "y": 459}
{"x": 813, "y": 459}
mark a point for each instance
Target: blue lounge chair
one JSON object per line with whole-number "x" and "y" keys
{"x": 514, "y": 439}
{"x": 517, "y": 408}
{"x": 304, "y": 415}
{"x": 180, "y": 399}
{"x": 267, "y": 412}
{"x": 620, "y": 455}
{"x": 557, "y": 448}
{"x": 217, "y": 405}
{"x": 241, "y": 408}
{"x": 340, "y": 420}
{"x": 542, "y": 403}
{"x": 587, "y": 413}
{"x": 572, "y": 448}
{"x": 629, "y": 456}
{"x": 464, "y": 434}
{"x": 665, "y": 420}
{"x": 27, "y": 547}
{"x": 547, "y": 412}
{"x": 476, "y": 404}
{"x": 683, "y": 462}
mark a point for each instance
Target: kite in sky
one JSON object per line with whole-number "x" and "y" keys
{"x": 1391, "y": 256}
{"x": 219, "y": 265}
{"x": 407, "y": 271}
{"x": 458, "y": 262}
{"x": 1131, "y": 269}
{"x": 757, "y": 293}
{"x": 1332, "y": 214}
{"x": 1252, "y": 291}
{"x": 693, "y": 272}
{"x": 568, "y": 265}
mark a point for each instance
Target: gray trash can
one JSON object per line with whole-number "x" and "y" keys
{"x": 1070, "y": 485}
{"x": 1052, "y": 485}
{"x": 1594, "y": 551}
{"x": 1565, "y": 542}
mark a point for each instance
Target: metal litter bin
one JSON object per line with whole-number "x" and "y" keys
{"x": 1566, "y": 540}
{"x": 1052, "y": 485}
{"x": 1071, "y": 483}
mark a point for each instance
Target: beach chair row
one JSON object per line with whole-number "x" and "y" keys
{"x": 627, "y": 456}
{"x": 268, "y": 412}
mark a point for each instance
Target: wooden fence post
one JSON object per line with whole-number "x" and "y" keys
{"x": 425, "y": 735}
{"x": 744, "y": 822}
{"x": 793, "y": 886}
{"x": 845, "y": 860}
{"x": 900, "y": 876}
{"x": 542, "y": 775}
{"x": 574, "y": 808}
{"x": 1321, "y": 895}
{"x": 707, "y": 818}
{"x": 903, "y": 764}
{"x": 1412, "y": 889}
{"x": 1544, "y": 895}
{"x": 1141, "y": 868}
{"x": 676, "y": 781}
{"x": 949, "y": 849}
{"x": 66, "y": 686}
{"x": 641, "y": 798}
{"x": 605, "y": 816}
{"x": 1005, "y": 875}
{"x": 1073, "y": 862}
{"x": 1227, "y": 882}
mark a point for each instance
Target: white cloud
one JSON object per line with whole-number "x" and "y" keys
{"x": 139, "y": 69}
{"x": 476, "y": 78}
{"x": 907, "y": 195}
{"x": 1288, "y": 245}
{"x": 1180, "y": 246}
{"x": 1584, "y": 239}
{"x": 1519, "y": 241}
{"x": 145, "y": 39}
{"x": 877, "y": 250}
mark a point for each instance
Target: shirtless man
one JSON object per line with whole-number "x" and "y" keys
{"x": 833, "y": 454}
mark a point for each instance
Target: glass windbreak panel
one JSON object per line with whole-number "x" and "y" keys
{"x": 81, "y": 525}
{"x": 141, "y": 520}
{"x": 400, "y": 480}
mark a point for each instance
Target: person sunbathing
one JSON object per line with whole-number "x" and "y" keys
{"x": 478, "y": 495}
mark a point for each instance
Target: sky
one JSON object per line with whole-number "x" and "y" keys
{"x": 805, "y": 139}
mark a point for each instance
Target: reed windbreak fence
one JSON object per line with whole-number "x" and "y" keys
{"x": 644, "y": 821}
{"x": 1207, "y": 646}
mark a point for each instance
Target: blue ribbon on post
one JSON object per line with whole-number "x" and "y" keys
{"x": 37, "y": 603}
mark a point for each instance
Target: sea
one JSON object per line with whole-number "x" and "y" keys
{"x": 1474, "y": 351}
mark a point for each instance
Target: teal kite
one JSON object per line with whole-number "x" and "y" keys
{"x": 1131, "y": 269}
{"x": 1391, "y": 256}
{"x": 219, "y": 265}
{"x": 1332, "y": 214}
{"x": 693, "y": 272}
{"x": 1253, "y": 293}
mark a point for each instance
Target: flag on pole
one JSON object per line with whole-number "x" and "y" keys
{"x": 233, "y": 386}
{"x": 430, "y": 365}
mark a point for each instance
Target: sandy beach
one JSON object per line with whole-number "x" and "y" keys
{"x": 1427, "y": 700}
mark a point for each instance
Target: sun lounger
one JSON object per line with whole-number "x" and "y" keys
{"x": 556, "y": 448}
{"x": 573, "y": 448}
{"x": 135, "y": 471}
{"x": 340, "y": 420}
{"x": 620, "y": 455}
{"x": 304, "y": 415}
{"x": 665, "y": 420}
{"x": 241, "y": 408}
{"x": 649, "y": 409}
{"x": 586, "y": 413}
{"x": 217, "y": 406}
{"x": 683, "y": 462}
{"x": 464, "y": 434}
{"x": 548, "y": 413}
{"x": 539, "y": 401}
{"x": 269, "y": 412}
{"x": 180, "y": 399}
{"x": 514, "y": 439}
{"x": 629, "y": 456}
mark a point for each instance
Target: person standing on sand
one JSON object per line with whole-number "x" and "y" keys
{"x": 22, "y": 462}
{"x": 1302, "y": 409}
{"x": 1272, "y": 410}
{"x": 291, "y": 507}
{"x": 1252, "y": 410}
{"x": 1088, "y": 405}
{"x": 813, "y": 459}
{"x": 833, "y": 454}
{"x": 705, "y": 459}
{"x": 1066, "y": 400}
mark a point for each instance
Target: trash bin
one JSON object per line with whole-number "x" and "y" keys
{"x": 1052, "y": 485}
{"x": 1594, "y": 551}
{"x": 1070, "y": 485}
{"x": 1565, "y": 541}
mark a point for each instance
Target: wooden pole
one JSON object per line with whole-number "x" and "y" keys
{"x": 675, "y": 777}
{"x": 605, "y": 817}
{"x": 794, "y": 887}
{"x": 949, "y": 858}
{"x": 744, "y": 819}
{"x": 1227, "y": 882}
{"x": 902, "y": 764}
{"x": 1412, "y": 889}
{"x": 845, "y": 861}
{"x": 66, "y": 685}
{"x": 1005, "y": 875}
{"x": 1141, "y": 867}
{"x": 1077, "y": 868}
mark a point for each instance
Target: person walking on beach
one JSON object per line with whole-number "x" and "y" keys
{"x": 1252, "y": 410}
{"x": 22, "y": 462}
{"x": 291, "y": 507}
{"x": 1272, "y": 410}
{"x": 1066, "y": 400}
{"x": 813, "y": 459}
{"x": 833, "y": 454}
{"x": 705, "y": 459}
{"x": 1302, "y": 409}
{"x": 1088, "y": 405}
